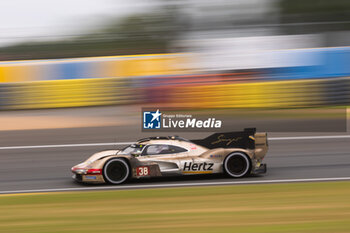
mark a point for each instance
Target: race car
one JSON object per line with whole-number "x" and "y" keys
{"x": 236, "y": 154}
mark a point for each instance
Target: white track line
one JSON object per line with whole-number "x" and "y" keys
{"x": 65, "y": 145}
{"x": 175, "y": 185}
{"x": 127, "y": 143}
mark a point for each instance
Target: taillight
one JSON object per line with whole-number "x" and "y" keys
{"x": 94, "y": 171}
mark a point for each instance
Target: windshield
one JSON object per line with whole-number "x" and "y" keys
{"x": 132, "y": 149}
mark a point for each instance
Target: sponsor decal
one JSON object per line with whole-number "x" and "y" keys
{"x": 90, "y": 177}
{"x": 193, "y": 146}
{"x": 142, "y": 171}
{"x": 215, "y": 156}
{"x": 198, "y": 166}
{"x": 221, "y": 138}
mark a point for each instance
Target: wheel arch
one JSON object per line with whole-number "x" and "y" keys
{"x": 248, "y": 153}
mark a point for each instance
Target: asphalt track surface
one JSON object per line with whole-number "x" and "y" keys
{"x": 48, "y": 169}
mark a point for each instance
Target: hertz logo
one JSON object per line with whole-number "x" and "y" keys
{"x": 198, "y": 166}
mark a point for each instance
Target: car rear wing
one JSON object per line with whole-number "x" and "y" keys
{"x": 247, "y": 139}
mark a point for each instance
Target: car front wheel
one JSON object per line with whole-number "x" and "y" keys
{"x": 116, "y": 171}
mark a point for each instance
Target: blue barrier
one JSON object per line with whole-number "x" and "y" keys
{"x": 327, "y": 63}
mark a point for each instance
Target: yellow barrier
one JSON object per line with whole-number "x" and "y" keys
{"x": 70, "y": 93}
{"x": 106, "y": 91}
{"x": 18, "y": 73}
{"x": 272, "y": 94}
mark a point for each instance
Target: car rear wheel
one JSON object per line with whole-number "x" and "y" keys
{"x": 237, "y": 164}
{"x": 116, "y": 171}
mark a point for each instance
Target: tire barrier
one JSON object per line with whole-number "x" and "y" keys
{"x": 219, "y": 94}
{"x": 159, "y": 79}
{"x": 66, "y": 93}
{"x": 272, "y": 94}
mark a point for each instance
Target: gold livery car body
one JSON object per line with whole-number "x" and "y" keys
{"x": 236, "y": 154}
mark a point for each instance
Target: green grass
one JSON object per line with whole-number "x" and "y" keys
{"x": 297, "y": 207}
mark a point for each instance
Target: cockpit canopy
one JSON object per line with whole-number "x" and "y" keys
{"x": 151, "y": 149}
{"x": 132, "y": 149}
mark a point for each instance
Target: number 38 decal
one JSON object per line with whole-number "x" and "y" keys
{"x": 142, "y": 171}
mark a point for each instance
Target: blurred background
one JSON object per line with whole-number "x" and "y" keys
{"x": 183, "y": 53}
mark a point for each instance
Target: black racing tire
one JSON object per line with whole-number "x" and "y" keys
{"x": 237, "y": 164}
{"x": 116, "y": 171}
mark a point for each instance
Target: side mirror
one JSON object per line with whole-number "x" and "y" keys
{"x": 136, "y": 153}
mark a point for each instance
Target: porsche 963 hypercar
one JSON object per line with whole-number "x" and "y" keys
{"x": 235, "y": 154}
